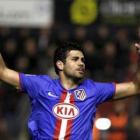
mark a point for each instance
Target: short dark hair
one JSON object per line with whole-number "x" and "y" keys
{"x": 62, "y": 51}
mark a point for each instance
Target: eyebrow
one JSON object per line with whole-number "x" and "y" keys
{"x": 77, "y": 57}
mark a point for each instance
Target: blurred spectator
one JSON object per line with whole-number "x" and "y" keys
{"x": 133, "y": 56}
{"x": 122, "y": 45}
{"x": 5, "y": 33}
{"x": 4, "y": 134}
{"x": 10, "y": 52}
{"x": 30, "y": 50}
{"x": 101, "y": 37}
{"x": 92, "y": 54}
{"x": 131, "y": 70}
{"x": 134, "y": 128}
{"x": 43, "y": 39}
{"x": 22, "y": 64}
{"x": 63, "y": 35}
{"x": 133, "y": 59}
{"x": 22, "y": 35}
{"x": 109, "y": 61}
{"x": 11, "y": 101}
{"x": 134, "y": 119}
{"x": 119, "y": 119}
{"x": 80, "y": 35}
{"x": 46, "y": 61}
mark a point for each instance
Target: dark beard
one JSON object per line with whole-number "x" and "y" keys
{"x": 74, "y": 78}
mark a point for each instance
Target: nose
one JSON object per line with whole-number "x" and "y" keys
{"x": 81, "y": 63}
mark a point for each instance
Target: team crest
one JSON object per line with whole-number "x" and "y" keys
{"x": 80, "y": 94}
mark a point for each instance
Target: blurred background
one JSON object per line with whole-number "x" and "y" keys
{"x": 107, "y": 30}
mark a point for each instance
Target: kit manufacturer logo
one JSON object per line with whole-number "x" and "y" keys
{"x": 52, "y": 95}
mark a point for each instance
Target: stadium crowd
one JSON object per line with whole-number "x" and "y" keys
{"x": 110, "y": 57}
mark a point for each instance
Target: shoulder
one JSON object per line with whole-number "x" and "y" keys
{"x": 89, "y": 83}
{"x": 36, "y": 78}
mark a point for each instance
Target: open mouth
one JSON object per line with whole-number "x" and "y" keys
{"x": 81, "y": 70}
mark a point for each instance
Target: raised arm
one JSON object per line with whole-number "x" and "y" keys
{"x": 7, "y": 75}
{"x": 127, "y": 89}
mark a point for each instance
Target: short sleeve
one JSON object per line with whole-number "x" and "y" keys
{"x": 105, "y": 91}
{"x": 31, "y": 84}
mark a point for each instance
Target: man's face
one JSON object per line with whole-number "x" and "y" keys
{"x": 75, "y": 65}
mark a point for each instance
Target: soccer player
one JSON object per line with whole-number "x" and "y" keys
{"x": 64, "y": 108}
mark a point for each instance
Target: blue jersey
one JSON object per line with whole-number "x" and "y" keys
{"x": 57, "y": 113}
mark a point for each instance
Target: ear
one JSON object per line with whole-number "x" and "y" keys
{"x": 60, "y": 65}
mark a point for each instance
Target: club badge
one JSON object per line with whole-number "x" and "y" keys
{"x": 80, "y": 94}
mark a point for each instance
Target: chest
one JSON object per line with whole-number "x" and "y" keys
{"x": 67, "y": 104}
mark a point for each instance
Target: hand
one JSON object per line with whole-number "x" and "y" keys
{"x": 137, "y": 45}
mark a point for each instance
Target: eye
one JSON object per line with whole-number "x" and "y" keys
{"x": 83, "y": 60}
{"x": 74, "y": 58}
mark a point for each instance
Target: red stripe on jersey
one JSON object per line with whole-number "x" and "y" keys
{"x": 57, "y": 129}
{"x": 58, "y": 121}
{"x": 69, "y": 125}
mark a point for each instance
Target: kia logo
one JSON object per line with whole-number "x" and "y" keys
{"x": 66, "y": 111}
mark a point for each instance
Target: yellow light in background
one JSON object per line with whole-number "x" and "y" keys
{"x": 83, "y": 12}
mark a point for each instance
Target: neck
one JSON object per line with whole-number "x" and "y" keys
{"x": 68, "y": 83}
